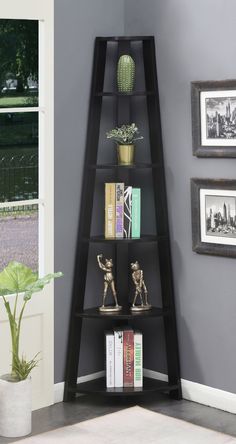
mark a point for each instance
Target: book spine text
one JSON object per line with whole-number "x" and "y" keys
{"x": 136, "y": 212}
{"x": 110, "y": 208}
{"x": 138, "y": 359}
{"x": 119, "y": 210}
{"x": 127, "y": 211}
{"x": 110, "y": 361}
{"x": 128, "y": 358}
{"x": 118, "y": 334}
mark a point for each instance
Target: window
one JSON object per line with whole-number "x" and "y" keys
{"x": 20, "y": 133}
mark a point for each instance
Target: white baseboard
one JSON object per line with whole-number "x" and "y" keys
{"x": 200, "y": 393}
{"x": 210, "y": 396}
{"x": 59, "y": 388}
{"x": 192, "y": 391}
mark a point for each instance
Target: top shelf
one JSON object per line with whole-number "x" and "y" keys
{"x": 120, "y": 94}
{"x": 125, "y": 38}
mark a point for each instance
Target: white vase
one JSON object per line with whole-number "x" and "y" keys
{"x": 15, "y": 408}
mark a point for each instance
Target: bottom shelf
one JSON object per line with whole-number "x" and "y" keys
{"x": 98, "y": 387}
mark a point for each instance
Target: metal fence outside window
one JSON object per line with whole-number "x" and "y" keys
{"x": 18, "y": 177}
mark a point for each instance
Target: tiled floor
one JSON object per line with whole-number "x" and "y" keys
{"x": 86, "y": 407}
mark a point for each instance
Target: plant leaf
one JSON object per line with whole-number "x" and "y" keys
{"x": 40, "y": 284}
{"x": 15, "y": 278}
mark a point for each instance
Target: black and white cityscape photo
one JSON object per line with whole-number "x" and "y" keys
{"x": 220, "y": 216}
{"x": 221, "y": 117}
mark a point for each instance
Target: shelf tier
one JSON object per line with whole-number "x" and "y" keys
{"x": 145, "y": 239}
{"x": 94, "y": 313}
{"x": 106, "y": 166}
{"x": 125, "y": 38}
{"x": 120, "y": 94}
{"x": 98, "y": 387}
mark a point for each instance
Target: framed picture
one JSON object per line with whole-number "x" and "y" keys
{"x": 214, "y": 216}
{"x": 214, "y": 118}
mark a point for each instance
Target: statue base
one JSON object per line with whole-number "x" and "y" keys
{"x": 140, "y": 307}
{"x": 110, "y": 308}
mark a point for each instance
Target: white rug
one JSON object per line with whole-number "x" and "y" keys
{"x": 134, "y": 425}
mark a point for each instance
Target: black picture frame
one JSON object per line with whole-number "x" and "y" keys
{"x": 198, "y": 244}
{"x": 211, "y": 150}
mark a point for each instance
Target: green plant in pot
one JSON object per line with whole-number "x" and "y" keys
{"x": 125, "y": 136}
{"x": 15, "y": 389}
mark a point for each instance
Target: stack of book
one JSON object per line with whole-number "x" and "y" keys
{"x": 122, "y": 211}
{"x": 124, "y": 358}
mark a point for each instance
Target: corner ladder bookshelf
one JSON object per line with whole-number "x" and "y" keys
{"x": 121, "y": 246}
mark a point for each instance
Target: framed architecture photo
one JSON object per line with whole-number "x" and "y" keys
{"x": 214, "y": 216}
{"x": 214, "y": 118}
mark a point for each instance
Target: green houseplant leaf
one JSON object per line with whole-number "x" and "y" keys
{"x": 14, "y": 279}
{"x": 39, "y": 284}
{"x": 124, "y": 134}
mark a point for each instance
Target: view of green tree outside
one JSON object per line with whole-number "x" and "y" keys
{"x": 19, "y": 141}
{"x": 18, "y": 88}
{"x": 18, "y": 63}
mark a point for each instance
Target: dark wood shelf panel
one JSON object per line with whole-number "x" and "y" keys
{"x": 121, "y": 94}
{"x": 94, "y": 313}
{"x": 126, "y": 39}
{"x": 146, "y": 238}
{"x": 107, "y": 166}
{"x": 98, "y": 387}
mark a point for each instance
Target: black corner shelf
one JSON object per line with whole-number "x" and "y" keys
{"x": 112, "y": 166}
{"x": 122, "y": 247}
{"x": 125, "y": 314}
{"x": 119, "y": 94}
{"x": 146, "y": 238}
{"x": 119, "y": 39}
{"x": 98, "y": 387}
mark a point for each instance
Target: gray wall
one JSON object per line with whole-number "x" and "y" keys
{"x": 77, "y": 23}
{"x": 195, "y": 41}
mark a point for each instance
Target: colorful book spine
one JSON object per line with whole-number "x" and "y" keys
{"x": 127, "y": 211}
{"x": 138, "y": 359}
{"x": 119, "y": 210}
{"x": 128, "y": 350}
{"x": 118, "y": 335}
{"x": 110, "y": 210}
{"x": 136, "y": 212}
{"x": 110, "y": 361}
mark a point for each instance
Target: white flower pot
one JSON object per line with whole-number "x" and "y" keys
{"x": 15, "y": 408}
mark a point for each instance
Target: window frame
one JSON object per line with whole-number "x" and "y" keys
{"x": 42, "y": 306}
{"x": 45, "y": 111}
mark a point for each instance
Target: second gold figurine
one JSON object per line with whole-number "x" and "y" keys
{"x": 140, "y": 289}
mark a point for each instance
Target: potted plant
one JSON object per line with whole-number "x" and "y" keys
{"x": 15, "y": 388}
{"x": 125, "y": 136}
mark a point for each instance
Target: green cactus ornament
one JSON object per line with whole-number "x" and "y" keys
{"x": 125, "y": 74}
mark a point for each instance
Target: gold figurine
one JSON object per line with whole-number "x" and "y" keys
{"x": 140, "y": 289}
{"x": 108, "y": 282}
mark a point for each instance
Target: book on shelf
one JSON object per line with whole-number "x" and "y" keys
{"x": 138, "y": 359}
{"x": 124, "y": 358}
{"x": 136, "y": 212}
{"x": 118, "y": 335}
{"x": 119, "y": 209}
{"x": 122, "y": 211}
{"x": 110, "y": 210}
{"x": 128, "y": 353}
{"x": 110, "y": 361}
{"x": 127, "y": 211}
